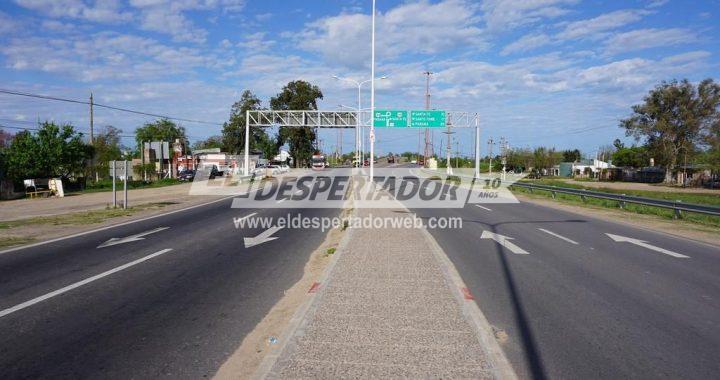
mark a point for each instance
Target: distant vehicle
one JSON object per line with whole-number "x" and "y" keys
{"x": 186, "y": 175}
{"x": 413, "y": 162}
{"x": 366, "y": 163}
{"x": 318, "y": 161}
{"x": 274, "y": 169}
{"x": 284, "y": 167}
{"x": 391, "y": 159}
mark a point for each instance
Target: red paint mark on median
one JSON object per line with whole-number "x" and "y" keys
{"x": 314, "y": 288}
{"x": 466, "y": 294}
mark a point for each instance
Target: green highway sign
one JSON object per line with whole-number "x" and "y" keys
{"x": 390, "y": 118}
{"x": 427, "y": 119}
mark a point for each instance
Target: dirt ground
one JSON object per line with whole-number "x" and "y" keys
{"x": 642, "y": 186}
{"x": 28, "y": 208}
{"x": 679, "y": 228}
{"x": 145, "y": 202}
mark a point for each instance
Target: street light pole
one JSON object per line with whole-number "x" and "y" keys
{"x": 359, "y": 135}
{"x": 372, "y": 97}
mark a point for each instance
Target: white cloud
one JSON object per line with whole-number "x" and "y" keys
{"x": 509, "y": 14}
{"x": 7, "y": 24}
{"x": 595, "y": 27}
{"x": 104, "y": 56}
{"x": 526, "y": 43}
{"x": 648, "y": 38}
{"x": 168, "y": 16}
{"x": 104, "y": 11}
{"x": 419, "y": 27}
{"x": 256, "y": 42}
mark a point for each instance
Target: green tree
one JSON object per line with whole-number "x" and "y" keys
{"x": 297, "y": 95}
{"x": 53, "y": 151}
{"x": 107, "y": 148}
{"x": 233, "y": 133}
{"x": 571, "y": 155}
{"x": 160, "y": 130}
{"x": 209, "y": 143}
{"x": 674, "y": 119}
{"x": 635, "y": 156}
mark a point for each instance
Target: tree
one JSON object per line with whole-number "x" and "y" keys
{"x": 233, "y": 133}
{"x": 635, "y": 156}
{"x": 53, "y": 151}
{"x": 297, "y": 95}
{"x": 160, "y": 130}
{"x": 673, "y": 120}
{"x": 107, "y": 148}
{"x": 209, "y": 143}
{"x": 571, "y": 155}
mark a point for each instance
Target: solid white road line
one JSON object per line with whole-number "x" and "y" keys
{"x": 112, "y": 226}
{"x": 558, "y": 236}
{"x": 483, "y": 207}
{"x": 80, "y": 283}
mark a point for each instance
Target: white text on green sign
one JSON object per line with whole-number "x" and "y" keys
{"x": 427, "y": 119}
{"x": 390, "y": 118}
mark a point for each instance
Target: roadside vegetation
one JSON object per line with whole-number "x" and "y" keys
{"x": 706, "y": 220}
{"x": 82, "y": 218}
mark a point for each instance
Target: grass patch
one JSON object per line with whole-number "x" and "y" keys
{"x": 707, "y": 220}
{"x": 9, "y": 241}
{"x": 330, "y": 251}
{"x": 701, "y": 199}
{"x": 84, "y": 217}
{"x": 106, "y": 185}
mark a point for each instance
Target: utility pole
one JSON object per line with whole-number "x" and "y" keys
{"x": 428, "y": 143}
{"x": 503, "y": 155}
{"x": 490, "y": 154}
{"x": 92, "y": 136}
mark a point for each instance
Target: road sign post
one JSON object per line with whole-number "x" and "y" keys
{"x": 125, "y": 183}
{"x": 114, "y": 174}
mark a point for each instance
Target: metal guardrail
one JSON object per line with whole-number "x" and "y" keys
{"x": 622, "y": 199}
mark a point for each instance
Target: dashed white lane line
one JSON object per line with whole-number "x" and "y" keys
{"x": 483, "y": 207}
{"x": 80, "y": 283}
{"x": 558, "y": 236}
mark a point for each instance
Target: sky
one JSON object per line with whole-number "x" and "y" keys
{"x": 556, "y": 73}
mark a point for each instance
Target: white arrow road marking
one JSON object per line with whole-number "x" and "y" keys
{"x": 237, "y": 221}
{"x": 505, "y": 242}
{"x": 483, "y": 207}
{"x": 282, "y": 200}
{"x": 264, "y": 236}
{"x": 558, "y": 236}
{"x": 79, "y": 283}
{"x": 128, "y": 239}
{"x": 642, "y": 243}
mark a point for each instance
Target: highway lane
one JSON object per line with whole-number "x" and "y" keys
{"x": 595, "y": 309}
{"x": 179, "y": 314}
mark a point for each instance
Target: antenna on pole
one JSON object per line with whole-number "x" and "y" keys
{"x": 428, "y": 143}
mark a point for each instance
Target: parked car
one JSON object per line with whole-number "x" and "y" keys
{"x": 284, "y": 167}
{"x": 186, "y": 175}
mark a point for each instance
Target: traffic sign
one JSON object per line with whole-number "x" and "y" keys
{"x": 390, "y": 118}
{"x": 427, "y": 119}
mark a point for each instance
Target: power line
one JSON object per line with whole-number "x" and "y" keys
{"x": 55, "y": 98}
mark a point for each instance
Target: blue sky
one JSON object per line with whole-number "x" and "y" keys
{"x": 539, "y": 72}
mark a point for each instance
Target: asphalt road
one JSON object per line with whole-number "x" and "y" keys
{"x": 185, "y": 305}
{"x": 582, "y": 305}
